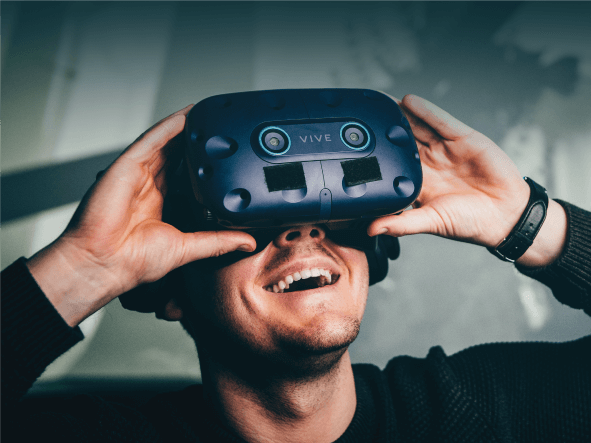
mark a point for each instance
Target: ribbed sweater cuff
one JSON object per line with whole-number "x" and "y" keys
{"x": 569, "y": 276}
{"x": 33, "y": 332}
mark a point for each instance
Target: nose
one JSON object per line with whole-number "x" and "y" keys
{"x": 300, "y": 234}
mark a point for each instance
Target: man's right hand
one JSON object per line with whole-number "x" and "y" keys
{"x": 116, "y": 239}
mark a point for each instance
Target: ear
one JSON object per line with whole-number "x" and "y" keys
{"x": 172, "y": 311}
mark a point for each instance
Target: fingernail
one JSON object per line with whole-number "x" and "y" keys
{"x": 382, "y": 231}
{"x": 245, "y": 248}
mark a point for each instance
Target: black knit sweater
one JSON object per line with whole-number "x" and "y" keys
{"x": 506, "y": 392}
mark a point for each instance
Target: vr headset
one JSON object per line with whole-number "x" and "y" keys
{"x": 265, "y": 161}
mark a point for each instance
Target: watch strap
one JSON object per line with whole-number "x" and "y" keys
{"x": 523, "y": 234}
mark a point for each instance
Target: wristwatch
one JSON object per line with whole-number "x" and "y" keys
{"x": 523, "y": 234}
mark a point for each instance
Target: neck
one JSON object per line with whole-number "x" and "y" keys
{"x": 284, "y": 408}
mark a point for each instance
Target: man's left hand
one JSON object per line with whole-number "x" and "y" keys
{"x": 471, "y": 192}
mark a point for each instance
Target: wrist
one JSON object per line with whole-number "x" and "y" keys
{"x": 522, "y": 236}
{"x": 75, "y": 285}
{"x": 550, "y": 241}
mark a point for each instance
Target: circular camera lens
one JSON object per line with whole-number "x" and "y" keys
{"x": 274, "y": 140}
{"x": 355, "y": 136}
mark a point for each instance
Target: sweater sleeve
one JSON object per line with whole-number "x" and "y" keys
{"x": 569, "y": 277}
{"x": 33, "y": 333}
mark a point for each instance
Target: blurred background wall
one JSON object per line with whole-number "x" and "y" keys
{"x": 81, "y": 80}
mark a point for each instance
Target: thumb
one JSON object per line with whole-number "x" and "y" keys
{"x": 413, "y": 221}
{"x": 439, "y": 120}
{"x": 207, "y": 244}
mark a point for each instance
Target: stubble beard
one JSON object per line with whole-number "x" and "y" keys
{"x": 299, "y": 357}
{"x": 318, "y": 341}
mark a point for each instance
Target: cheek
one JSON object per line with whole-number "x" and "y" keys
{"x": 240, "y": 313}
{"x": 232, "y": 298}
{"x": 358, "y": 278}
{"x": 208, "y": 287}
{"x": 216, "y": 299}
{"x": 358, "y": 268}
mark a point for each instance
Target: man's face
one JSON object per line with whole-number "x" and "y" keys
{"x": 318, "y": 311}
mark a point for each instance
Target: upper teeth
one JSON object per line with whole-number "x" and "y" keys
{"x": 282, "y": 285}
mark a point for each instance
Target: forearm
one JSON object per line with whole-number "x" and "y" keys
{"x": 33, "y": 333}
{"x": 569, "y": 275}
{"x": 75, "y": 286}
{"x": 550, "y": 241}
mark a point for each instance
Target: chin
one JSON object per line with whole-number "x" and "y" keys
{"x": 318, "y": 338}
{"x": 306, "y": 353}
{"x": 317, "y": 351}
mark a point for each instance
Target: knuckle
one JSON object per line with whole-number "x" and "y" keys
{"x": 218, "y": 244}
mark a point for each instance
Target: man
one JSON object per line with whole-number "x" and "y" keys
{"x": 275, "y": 364}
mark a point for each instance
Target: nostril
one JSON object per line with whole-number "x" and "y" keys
{"x": 314, "y": 233}
{"x": 292, "y": 235}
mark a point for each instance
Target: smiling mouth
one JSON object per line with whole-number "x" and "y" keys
{"x": 304, "y": 280}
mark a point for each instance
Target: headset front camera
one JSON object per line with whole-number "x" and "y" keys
{"x": 355, "y": 136}
{"x": 274, "y": 140}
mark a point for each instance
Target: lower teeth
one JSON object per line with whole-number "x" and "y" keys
{"x": 319, "y": 284}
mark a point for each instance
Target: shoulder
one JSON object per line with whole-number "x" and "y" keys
{"x": 490, "y": 371}
{"x": 493, "y": 360}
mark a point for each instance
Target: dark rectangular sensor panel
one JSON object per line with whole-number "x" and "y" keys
{"x": 285, "y": 177}
{"x": 363, "y": 170}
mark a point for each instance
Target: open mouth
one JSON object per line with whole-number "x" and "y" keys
{"x": 304, "y": 280}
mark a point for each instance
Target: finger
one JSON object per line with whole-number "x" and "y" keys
{"x": 172, "y": 155}
{"x": 143, "y": 150}
{"x": 160, "y": 178}
{"x": 422, "y": 132}
{"x": 183, "y": 111}
{"x": 157, "y": 137}
{"x": 413, "y": 221}
{"x": 397, "y": 100}
{"x": 206, "y": 244}
{"x": 148, "y": 155}
{"x": 442, "y": 123}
